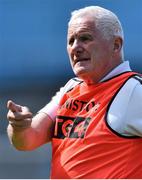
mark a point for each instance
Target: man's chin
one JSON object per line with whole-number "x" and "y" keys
{"x": 80, "y": 71}
{"x": 79, "y": 74}
{"x": 82, "y": 75}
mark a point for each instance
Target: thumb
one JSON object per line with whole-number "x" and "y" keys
{"x": 13, "y": 107}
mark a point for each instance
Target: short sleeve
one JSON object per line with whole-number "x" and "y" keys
{"x": 134, "y": 113}
{"x": 125, "y": 112}
{"x": 52, "y": 107}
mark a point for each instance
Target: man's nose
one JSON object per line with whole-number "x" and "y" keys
{"x": 77, "y": 47}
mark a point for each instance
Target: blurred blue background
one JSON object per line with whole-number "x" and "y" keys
{"x": 34, "y": 65}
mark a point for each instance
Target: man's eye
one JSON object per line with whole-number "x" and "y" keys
{"x": 85, "y": 38}
{"x": 71, "y": 41}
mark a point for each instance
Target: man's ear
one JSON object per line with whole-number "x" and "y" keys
{"x": 117, "y": 44}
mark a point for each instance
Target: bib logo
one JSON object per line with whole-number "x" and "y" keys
{"x": 70, "y": 127}
{"x": 78, "y": 105}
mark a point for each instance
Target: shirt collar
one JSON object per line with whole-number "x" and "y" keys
{"x": 123, "y": 67}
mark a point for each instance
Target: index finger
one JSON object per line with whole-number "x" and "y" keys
{"x": 13, "y": 107}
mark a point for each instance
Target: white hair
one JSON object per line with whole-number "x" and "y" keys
{"x": 105, "y": 20}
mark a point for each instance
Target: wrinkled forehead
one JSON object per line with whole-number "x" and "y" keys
{"x": 81, "y": 24}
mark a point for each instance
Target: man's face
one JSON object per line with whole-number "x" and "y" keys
{"x": 90, "y": 54}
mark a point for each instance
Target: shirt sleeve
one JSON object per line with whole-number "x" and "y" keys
{"x": 125, "y": 113}
{"x": 134, "y": 113}
{"x": 51, "y": 108}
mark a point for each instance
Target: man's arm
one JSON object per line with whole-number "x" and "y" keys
{"x": 25, "y": 132}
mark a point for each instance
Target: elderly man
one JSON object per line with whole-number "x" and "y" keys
{"x": 93, "y": 122}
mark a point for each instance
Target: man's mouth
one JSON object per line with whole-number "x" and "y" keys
{"x": 81, "y": 60}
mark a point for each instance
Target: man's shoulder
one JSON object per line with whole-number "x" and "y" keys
{"x": 134, "y": 84}
{"x": 138, "y": 77}
{"x": 137, "y": 92}
{"x": 72, "y": 83}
